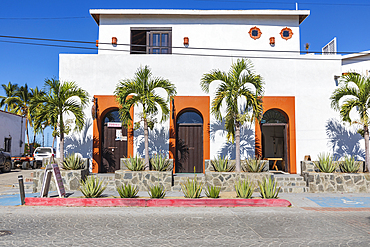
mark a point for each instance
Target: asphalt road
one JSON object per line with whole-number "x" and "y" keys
{"x": 78, "y": 226}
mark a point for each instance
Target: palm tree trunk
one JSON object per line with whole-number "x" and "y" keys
{"x": 61, "y": 138}
{"x": 237, "y": 147}
{"x": 146, "y": 143}
{"x": 366, "y": 137}
{"x": 28, "y": 138}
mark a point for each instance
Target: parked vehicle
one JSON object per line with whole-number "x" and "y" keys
{"x": 41, "y": 153}
{"x": 5, "y": 161}
{"x": 24, "y": 162}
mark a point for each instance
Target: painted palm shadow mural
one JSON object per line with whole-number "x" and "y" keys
{"x": 344, "y": 141}
{"x": 158, "y": 141}
{"x": 80, "y": 142}
{"x": 247, "y": 140}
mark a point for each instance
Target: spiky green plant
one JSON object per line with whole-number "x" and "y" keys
{"x": 71, "y": 162}
{"x": 92, "y": 187}
{"x": 192, "y": 188}
{"x": 325, "y": 163}
{"x": 349, "y": 164}
{"x": 254, "y": 165}
{"x": 160, "y": 163}
{"x": 135, "y": 163}
{"x": 157, "y": 191}
{"x": 268, "y": 188}
{"x": 127, "y": 191}
{"x": 244, "y": 189}
{"x": 221, "y": 164}
{"x": 213, "y": 191}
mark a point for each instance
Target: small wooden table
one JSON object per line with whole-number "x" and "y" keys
{"x": 275, "y": 159}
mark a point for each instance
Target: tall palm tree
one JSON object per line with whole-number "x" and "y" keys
{"x": 239, "y": 83}
{"x": 354, "y": 94}
{"x": 10, "y": 91}
{"x": 63, "y": 98}
{"x": 141, "y": 90}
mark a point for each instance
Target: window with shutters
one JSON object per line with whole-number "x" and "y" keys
{"x": 151, "y": 41}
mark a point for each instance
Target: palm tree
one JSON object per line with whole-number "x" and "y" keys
{"x": 62, "y": 98}
{"x": 239, "y": 83}
{"x": 141, "y": 91}
{"x": 10, "y": 91}
{"x": 354, "y": 93}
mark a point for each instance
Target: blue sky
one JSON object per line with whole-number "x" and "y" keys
{"x": 70, "y": 20}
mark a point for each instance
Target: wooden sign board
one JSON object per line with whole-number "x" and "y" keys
{"x": 52, "y": 169}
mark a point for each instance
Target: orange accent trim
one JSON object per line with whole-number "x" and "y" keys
{"x": 105, "y": 104}
{"x": 287, "y": 105}
{"x": 286, "y": 29}
{"x": 199, "y": 103}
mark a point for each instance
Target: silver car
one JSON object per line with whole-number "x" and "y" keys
{"x": 41, "y": 153}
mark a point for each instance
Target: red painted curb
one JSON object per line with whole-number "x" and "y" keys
{"x": 137, "y": 202}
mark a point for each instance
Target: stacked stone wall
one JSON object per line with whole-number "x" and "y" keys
{"x": 144, "y": 179}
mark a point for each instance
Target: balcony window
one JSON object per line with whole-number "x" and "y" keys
{"x": 151, "y": 41}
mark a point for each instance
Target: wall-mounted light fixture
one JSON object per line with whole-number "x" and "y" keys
{"x": 272, "y": 41}
{"x": 97, "y": 43}
{"x": 114, "y": 40}
{"x": 186, "y": 41}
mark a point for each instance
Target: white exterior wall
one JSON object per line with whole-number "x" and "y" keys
{"x": 355, "y": 63}
{"x": 12, "y": 126}
{"x": 309, "y": 78}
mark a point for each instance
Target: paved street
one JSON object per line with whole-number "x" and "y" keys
{"x": 61, "y": 226}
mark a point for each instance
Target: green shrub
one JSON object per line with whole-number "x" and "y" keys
{"x": 127, "y": 191}
{"x": 349, "y": 165}
{"x": 71, "y": 162}
{"x": 135, "y": 163}
{"x": 157, "y": 191}
{"x": 160, "y": 163}
{"x": 191, "y": 188}
{"x": 221, "y": 164}
{"x": 268, "y": 188}
{"x": 254, "y": 165}
{"x": 244, "y": 189}
{"x": 325, "y": 163}
{"x": 213, "y": 191}
{"x": 92, "y": 187}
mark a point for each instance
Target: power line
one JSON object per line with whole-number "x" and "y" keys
{"x": 175, "y": 47}
{"x": 308, "y": 3}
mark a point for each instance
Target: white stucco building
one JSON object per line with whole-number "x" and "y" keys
{"x": 182, "y": 45}
{"x": 12, "y": 133}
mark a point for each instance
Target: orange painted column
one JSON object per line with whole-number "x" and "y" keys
{"x": 287, "y": 105}
{"x": 199, "y": 104}
{"x": 107, "y": 103}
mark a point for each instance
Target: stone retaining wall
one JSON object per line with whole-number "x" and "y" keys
{"x": 144, "y": 179}
{"x": 71, "y": 179}
{"x": 336, "y": 181}
{"x": 123, "y": 166}
{"x": 226, "y": 180}
{"x": 209, "y": 166}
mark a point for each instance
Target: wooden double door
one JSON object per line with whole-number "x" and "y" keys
{"x": 189, "y": 148}
{"x": 114, "y": 147}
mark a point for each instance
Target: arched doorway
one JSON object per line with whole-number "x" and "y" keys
{"x": 274, "y": 127}
{"x": 114, "y": 141}
{"x": 189, "y": 142}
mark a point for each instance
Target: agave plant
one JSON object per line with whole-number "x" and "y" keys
{"x": 135, "y": 163}
{"x": 254, "y": 165}
{"x": 191, "y": 188}
{"x": 72, "y": 162}
{"x": 213, "y": 191}
{"x": 160, "y": 163}
{"x": 349, "y": 165}
{"x": 127, "y": 191}
{"x": 92, "y": 187}
{"x": 244, "y": 189}
{"x": 221, "y": 164}
{"x": 157, "y": 191}
{"x": 325, "y": 163}
{"x": 268, "y": 189}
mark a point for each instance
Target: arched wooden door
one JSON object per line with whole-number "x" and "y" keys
{"x": 189, "y": 143}
{"x": 114, "y": 142}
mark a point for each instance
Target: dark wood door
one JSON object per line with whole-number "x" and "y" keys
{"x": 114, "y": 147}
{"x": 189, "y": 148}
